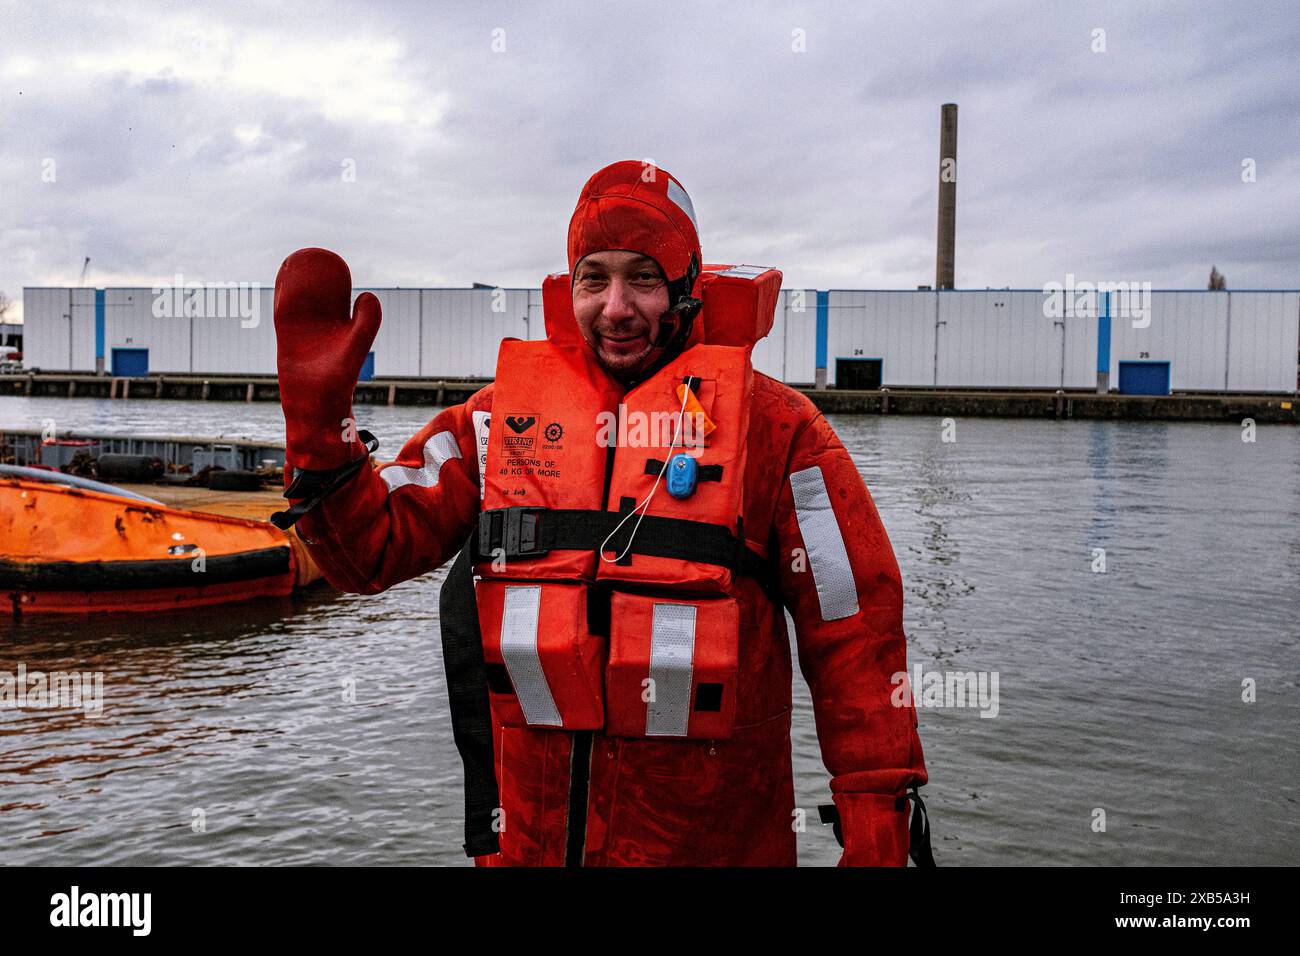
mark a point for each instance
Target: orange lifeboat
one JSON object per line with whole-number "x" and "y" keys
{"x": 75, "y": 550}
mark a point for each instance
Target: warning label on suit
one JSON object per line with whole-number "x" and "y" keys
{"x": 530, "y": 467}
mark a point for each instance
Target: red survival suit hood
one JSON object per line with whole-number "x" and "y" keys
{"x": 638, "y": 207}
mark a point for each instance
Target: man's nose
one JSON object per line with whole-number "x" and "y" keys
{"x": 618, "y": 301}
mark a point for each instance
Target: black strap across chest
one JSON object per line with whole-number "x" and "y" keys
{"x": 522, "y": 532}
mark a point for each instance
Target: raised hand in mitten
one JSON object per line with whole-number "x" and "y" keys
{"x": 320, "y": 348}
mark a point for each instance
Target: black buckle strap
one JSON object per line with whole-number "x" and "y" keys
{"x": 511, "y": 533}
{"x": 526, "y": 532}
{"x": 919, "y": 835}
{"x": 467, "y": 693}
{"x": 313, "y": 487}
{"x": 654, "y": 466}
{"x": 523, "y": 532}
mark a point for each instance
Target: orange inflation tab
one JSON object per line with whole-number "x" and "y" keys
{"x": 691, "y": 406}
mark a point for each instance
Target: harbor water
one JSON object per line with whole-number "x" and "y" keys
{"x": 1128, "y": 588}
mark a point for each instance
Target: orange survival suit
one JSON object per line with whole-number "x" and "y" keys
{"x": 634, "y": 549}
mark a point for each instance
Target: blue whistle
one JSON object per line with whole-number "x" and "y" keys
{"x": 682, "y": 474}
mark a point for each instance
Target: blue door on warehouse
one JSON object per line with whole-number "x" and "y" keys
{"x": 131, "y": 363}
{"x": 1144, "y": 378}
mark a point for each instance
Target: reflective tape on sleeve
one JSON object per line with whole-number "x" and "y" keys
{"x": 519, "y": 651}
{"x": 828, "y": 560}
{"x": 672, "y": 668}
{"x": 438, "y": 450}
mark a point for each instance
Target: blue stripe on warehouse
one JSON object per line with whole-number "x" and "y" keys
{"x": 1103, "y": 335}
{"x": 99, "y": 329}
{"x": 823, "y": 325}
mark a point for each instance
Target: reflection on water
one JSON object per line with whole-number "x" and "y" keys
{"x": 303, "y": 730}
{"x": 315, "y": 730}
{"x": 935, "y": 579}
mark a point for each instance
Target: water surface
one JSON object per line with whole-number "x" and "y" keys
{"x": 1119, "y": 691}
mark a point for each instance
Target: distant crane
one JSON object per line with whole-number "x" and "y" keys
{"x": 84, "y": 266}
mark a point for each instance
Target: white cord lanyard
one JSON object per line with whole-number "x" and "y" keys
{"x": 641, "y": 509}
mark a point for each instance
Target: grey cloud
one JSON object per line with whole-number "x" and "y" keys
{"x": 822, "y": 163}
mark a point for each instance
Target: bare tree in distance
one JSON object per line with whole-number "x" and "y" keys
{"x": 1217, "y": 282}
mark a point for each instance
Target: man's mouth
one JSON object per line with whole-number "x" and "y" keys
{"x": 626, "y": 343}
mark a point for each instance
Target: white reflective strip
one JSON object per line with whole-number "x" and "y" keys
{"x": 439, "y": 449}
{"x": 828, "y": 560}
{"x": 678, "y": 195}
{"x": 481, "y": 422}
{"x": 672, "y": 668}
{"x": 519, "y": 651}
{"x": 746, "y": 272}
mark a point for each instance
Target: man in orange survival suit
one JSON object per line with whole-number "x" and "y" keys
{"x": 585, "y": 797}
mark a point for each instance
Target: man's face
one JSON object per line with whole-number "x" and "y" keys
{"x": 618, "y": 298}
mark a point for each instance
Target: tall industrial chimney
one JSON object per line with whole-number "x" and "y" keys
{"x": 944, "y": 264}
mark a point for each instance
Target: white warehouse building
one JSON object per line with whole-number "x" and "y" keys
{"x": 1174, "y": 341}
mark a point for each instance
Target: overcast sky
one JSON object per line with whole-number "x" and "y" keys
{"x": 212, "y": 141}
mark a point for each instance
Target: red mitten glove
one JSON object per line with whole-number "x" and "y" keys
{"x": 320, "y": 349}
{"x": 875, "y": 833}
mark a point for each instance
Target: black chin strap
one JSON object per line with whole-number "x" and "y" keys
{"x": 675, "y": 325}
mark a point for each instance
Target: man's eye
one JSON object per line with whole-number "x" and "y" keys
{"x": 647, "y": 277}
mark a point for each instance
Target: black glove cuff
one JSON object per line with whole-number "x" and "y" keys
{"x": 313, "y": 487}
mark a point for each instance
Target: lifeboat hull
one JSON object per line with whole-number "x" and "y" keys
{"x": 70, "y": 550}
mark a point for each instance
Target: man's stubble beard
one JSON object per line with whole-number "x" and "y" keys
{"x": 628, "y": 367}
